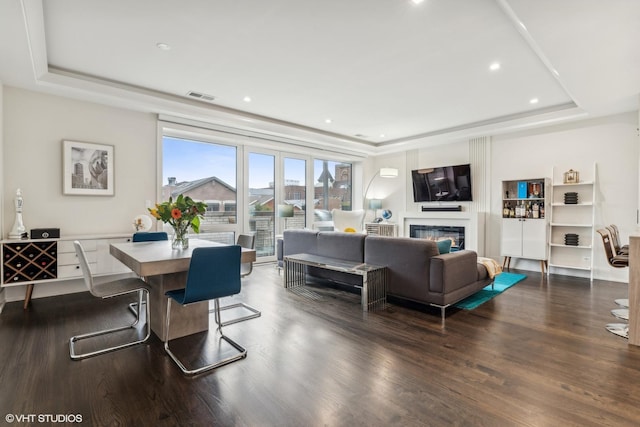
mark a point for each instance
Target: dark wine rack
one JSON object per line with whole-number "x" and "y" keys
{"x": 29, "y": 261}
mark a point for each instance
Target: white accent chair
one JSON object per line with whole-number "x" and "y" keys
{"x": 348, "y": 219}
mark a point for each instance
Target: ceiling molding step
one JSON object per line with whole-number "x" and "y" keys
{"x": 497, "y": 121}
{"x": 260, "y": 136}
{"x": 141, "y": 99}
{"x": 543, "y": 119}
{"x": 524, "y": 32}
{"x": 33, "y": 16}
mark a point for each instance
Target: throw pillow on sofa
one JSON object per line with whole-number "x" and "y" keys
{"x": 444, "y": 246}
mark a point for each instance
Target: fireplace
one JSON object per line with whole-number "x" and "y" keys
{"x": 439, "y": 232}
{"x": 469, "y": 224}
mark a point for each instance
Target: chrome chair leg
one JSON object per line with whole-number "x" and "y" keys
{"x": 133, "y": 307}
{"x": 255, "y": 313}
{"x": 73, "y": 340}
{"x": 242, "y": 352}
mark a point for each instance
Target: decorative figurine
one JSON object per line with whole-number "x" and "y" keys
{"x": 18, "y": 230}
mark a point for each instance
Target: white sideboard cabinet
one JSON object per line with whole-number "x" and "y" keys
{"x": 524, "y": 221}
{"x": 40, "y": 261}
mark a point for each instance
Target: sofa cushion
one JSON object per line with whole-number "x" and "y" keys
{"x": 300, "y": 241}
{"x": 345, "y": 246}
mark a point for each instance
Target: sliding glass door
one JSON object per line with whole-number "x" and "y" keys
{"x": 262, "y": 201}
{"x": 332, "y": 190}
{"x": 292, "y": 209}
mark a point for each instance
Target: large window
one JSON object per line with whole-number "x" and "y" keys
{"x": 261, "y": 173}
{"x": 332, "y": 190}
{"x": 293, "y": 206}
{"x": 275, "y": 190}
{"x": 207, "y": 172}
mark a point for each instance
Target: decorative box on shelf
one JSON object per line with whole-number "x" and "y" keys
{"x": 382, "y": 228}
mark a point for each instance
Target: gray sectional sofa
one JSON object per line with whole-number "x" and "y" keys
{"x": 417, "y": 271}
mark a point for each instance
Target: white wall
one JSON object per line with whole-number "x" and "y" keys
{"x": 386, "y": 189}
{"x": 612, "y": 142}
{"x": 34, "y": 127}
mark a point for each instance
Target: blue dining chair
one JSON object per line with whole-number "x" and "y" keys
{"x": 149, "y": 236}
{"x": 146, "y": 236}
{"x": 213, "y": 273}
{"x": 247, "y": 241}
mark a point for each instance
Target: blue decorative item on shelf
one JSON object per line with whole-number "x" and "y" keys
{"x": 386, "y": 214}
{"x": 522, "y": 189}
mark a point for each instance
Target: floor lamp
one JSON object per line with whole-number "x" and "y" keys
{"x": 383, "y": 173}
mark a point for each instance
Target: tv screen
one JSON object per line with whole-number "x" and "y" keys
{"x": 443, "y": 184}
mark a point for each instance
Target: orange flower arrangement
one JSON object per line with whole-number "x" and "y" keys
{"x": 183, "y": 213}
{"x": 180, "y": 214}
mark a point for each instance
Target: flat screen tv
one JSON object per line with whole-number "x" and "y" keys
{"x": 443, "y": 184}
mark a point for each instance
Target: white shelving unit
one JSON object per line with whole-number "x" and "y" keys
{"x": 574, "y": 219}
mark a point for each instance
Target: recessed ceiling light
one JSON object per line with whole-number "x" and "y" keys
{"x": 495, "y": 66}
{"x": 533, "y": 101}
{"x": 247, "y": 99}
{"x": 416, "y": 1}
{"x": 327, "y": 120}
{"x": 382, "y": 135}
{"x": 163, "y": 46}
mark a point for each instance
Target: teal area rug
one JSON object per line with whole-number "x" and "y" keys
{"x": 501, "y": 283}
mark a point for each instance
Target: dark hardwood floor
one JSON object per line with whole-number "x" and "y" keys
{"x": 536, "y": 355}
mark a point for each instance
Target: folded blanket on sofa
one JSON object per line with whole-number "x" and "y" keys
{"x": 492, "y": 266}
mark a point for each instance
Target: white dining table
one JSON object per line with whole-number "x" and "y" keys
{"x": 165, "y": 269}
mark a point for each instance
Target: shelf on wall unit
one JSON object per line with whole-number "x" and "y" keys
{"x": 562, "y": 245}
{"x": 572, "y": 204}
{"x": 573, "y": 185}
{"x": 572, "y": 267}
{"x": 555, "y": 224}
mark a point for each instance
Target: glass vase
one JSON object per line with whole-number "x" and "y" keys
{"x": 180, "y": 238}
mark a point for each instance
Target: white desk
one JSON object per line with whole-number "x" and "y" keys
{"x": 166, "y": 269}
